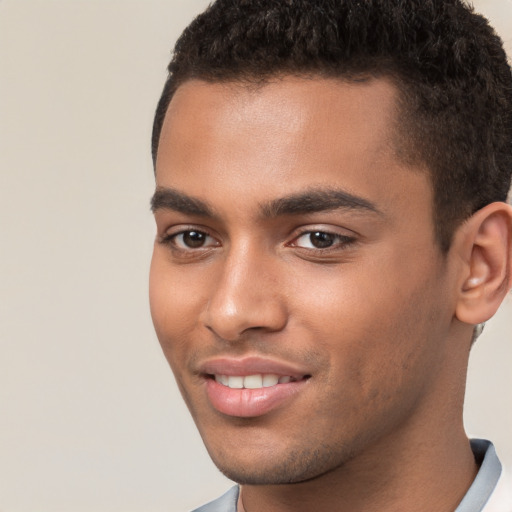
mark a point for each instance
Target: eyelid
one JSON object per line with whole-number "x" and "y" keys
{"x": 170, "y": 234}
{"x": 344, "y": 239}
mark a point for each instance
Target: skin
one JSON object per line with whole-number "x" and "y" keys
{"x": 372, "y": 317}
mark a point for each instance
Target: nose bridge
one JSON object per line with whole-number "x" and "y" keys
{"x": 246, "y": 295}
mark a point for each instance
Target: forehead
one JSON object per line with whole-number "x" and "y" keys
{"x": 283, "y": 136}
{"x": 359, "y": 115}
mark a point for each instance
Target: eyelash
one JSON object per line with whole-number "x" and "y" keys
{"x": 169, "y": 239}
{"x": 339, "y": 242}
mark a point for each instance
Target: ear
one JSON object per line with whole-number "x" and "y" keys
{"x": 485, "y": 245}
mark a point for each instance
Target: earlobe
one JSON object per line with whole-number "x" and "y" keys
{"x": 487, "y": 263}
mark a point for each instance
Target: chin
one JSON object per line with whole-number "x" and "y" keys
{"x": 292, "y": 468}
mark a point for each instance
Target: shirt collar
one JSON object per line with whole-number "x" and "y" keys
{"x": 486, "y": 479}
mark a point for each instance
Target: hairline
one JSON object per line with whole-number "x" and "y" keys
{"x": 406, "y": 153}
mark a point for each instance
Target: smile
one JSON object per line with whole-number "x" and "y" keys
{"x": 249, "y": 396}
{"x": 252, "y": 386}
{"x": 256, "y": 381}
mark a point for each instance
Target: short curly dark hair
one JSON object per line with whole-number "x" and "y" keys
{"x": 448, "y": 64}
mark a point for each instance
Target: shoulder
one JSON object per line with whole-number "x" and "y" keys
{"x": 226, "y": 503}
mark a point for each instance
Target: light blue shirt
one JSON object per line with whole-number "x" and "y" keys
{"x": 474, "y": 500}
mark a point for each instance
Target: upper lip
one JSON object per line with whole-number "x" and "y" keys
{"x": 250, "y": 366}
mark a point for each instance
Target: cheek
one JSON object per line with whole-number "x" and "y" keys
{"x": 375, "y": 321}
{"x": 349, "y": 301}
{"x": 174, "y": 305}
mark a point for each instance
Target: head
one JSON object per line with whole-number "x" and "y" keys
{"x": 327, "y": 227}
{"x": 454, "y": 110}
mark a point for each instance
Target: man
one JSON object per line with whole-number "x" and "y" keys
{"x": 331, "y": 178}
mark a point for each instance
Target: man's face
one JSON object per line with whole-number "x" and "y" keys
{"x": 295, "y": 256}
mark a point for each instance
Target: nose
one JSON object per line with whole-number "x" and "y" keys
{"x": 246, "y": 296}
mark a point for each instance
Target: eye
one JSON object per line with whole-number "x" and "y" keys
{"x": 191, "y": 239}
{"x": 321, "y": 240}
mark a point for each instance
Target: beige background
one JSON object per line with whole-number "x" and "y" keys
{"x": 90, "y": 419}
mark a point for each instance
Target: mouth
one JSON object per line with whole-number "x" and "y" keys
{"x": 252, "y": 387}
{"x": 256, "y": 381}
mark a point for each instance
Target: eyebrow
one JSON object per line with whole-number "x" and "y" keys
{"x": 317, "y": 200}
{"x": 309, "y": 201}
{"x": 171, "y": 199}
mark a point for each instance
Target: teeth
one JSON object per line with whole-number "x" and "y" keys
{"x": 252, "y": 381}
{"x": 270, "y": 380}
{"x": 235, "y": 382}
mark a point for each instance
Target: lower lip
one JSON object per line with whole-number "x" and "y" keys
{"x": 250, "y": 403}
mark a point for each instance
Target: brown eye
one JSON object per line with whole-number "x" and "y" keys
{"x": 317, "y": 240}
{"x": 321, "y": 240}
{"x": 192, "y": 239}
